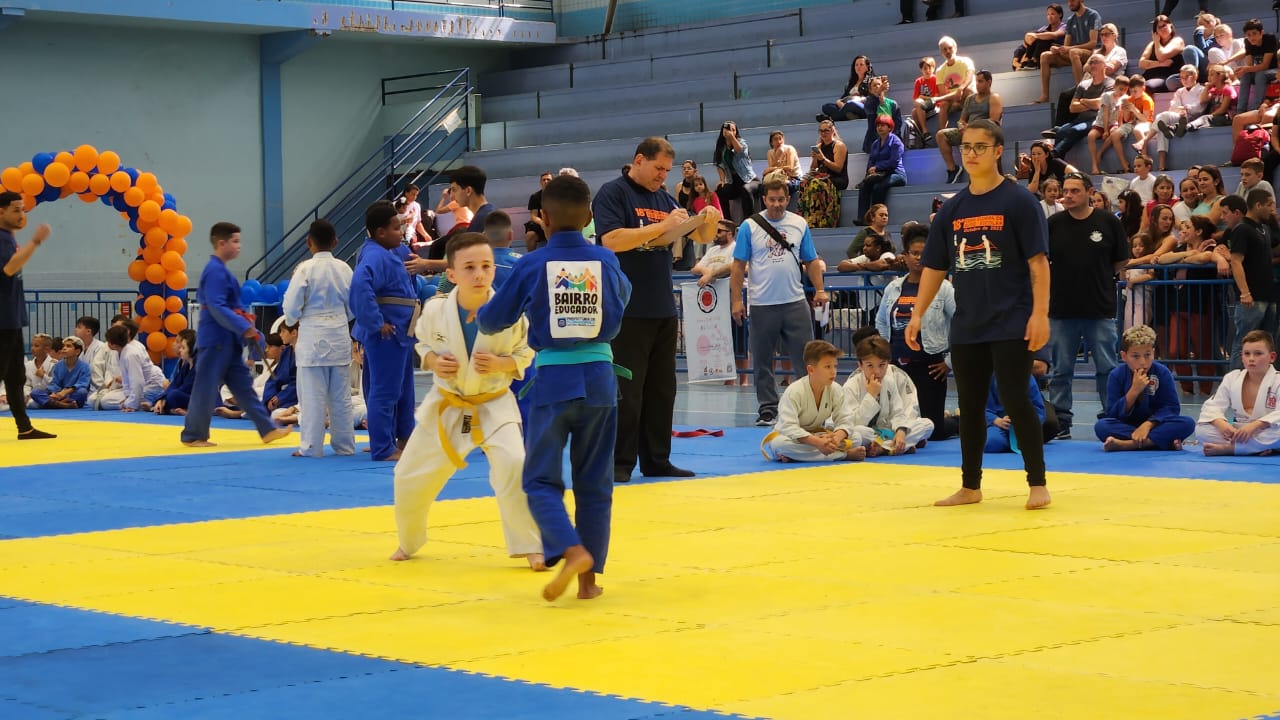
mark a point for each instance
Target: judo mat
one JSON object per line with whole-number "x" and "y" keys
{"x": 139, "y": 579}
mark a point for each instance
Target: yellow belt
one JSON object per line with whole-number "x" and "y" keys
{"x": 464, "y": 403}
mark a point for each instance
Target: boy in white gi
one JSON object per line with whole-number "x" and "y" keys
{"x": 470, "y": 405}
{"x": 883, "y": 398}
{"x": 141, "y": 380}
{"x": 1250, "y": 395}
{"x": 317, "y": 298}
{"x": 801, "y": 434}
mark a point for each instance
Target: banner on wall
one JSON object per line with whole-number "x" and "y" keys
{"x": 327, "y": 19}
{"x": 708, "y": 332}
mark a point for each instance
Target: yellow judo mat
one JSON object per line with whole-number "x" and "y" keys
{"x": 80, "y": 440}
{"x": 817, "y": 592}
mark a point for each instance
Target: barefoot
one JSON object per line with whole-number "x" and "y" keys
{"x": 1039, "y": 497}
{"x": 1219, "y": 449}
{"x": 393, "y": 457}
{"x": 921, "y": 445}
{"x": 1041, "y": 99}
{"x": 200, "y": 443}
{"x": 1112, "y": 444}
{"x": 224, "y": 412}
{"x": 784, "y": 459}
{"x": 296, "y": 453}
{"x": 1177, "y": 444}
{"x": 858, "y": 453}
{"x": 537, "y": 563}
{"x": 587, "y": 587}
{"x": 275, "y": 435}
{"x": 963, "y": 496}
{"x": 399, "y": 555}
{"x": 576, "y": 561}
{"x": 909, "y": 450}
{"x": 179, "y": 411}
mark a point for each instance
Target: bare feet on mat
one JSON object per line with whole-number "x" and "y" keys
{"x": 1112, "y": 444}
{"x": 587, "y": 587}
{"x": 393, "y": 457}
{"x": 537, "y": 562}
{"x": 200, "y": 443}
{"x": 1219, "y": 449}
{"x": 274, "y": 435}
{"x": 857, "y": 453}
{"x": 576, "y": 561}
{"x": 399, "y": 555}
{"x": 963, "y": 496}
{"x": 1039, "y": 497}
{"x": 224, "y": 412}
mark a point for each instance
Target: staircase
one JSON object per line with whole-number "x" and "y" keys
{"x": 419, "y": 152}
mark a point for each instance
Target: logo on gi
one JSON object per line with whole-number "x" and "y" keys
{"x": 1096, "y": 236}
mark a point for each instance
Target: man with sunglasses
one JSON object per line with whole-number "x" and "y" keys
{"x": 991, "y": 236}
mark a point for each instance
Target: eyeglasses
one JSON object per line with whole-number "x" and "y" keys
{"x": 975, "y": 148}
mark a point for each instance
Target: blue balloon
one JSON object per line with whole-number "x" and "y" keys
{"x": 282, "y": 287}
{"x": 268, "y": 295}
{"x": 139, "y": 309}
{"x": 170, "y": 203}
{"x": 40, "y": 161}
{"x": 119, "y": 204}
{"x": 49, "y": 194}
{"x": 147, "y": 289}
{"x": 133, "y": 225}
{"x": 132, "y": 173}
{"x": 105, "y": 200}
{"x": 249, "y": 292}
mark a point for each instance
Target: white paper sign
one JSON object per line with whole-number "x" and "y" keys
{"x": 708, "y": 326}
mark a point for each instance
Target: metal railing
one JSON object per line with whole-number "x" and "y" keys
{"x": 55, "y": 311}
{"x": 503, "y": 8}
{"x": 435, "y": 136}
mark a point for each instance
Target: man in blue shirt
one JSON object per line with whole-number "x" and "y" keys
{"x": 13, "y": 308}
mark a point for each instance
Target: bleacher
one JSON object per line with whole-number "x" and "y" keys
{"x": 586, "y": 103}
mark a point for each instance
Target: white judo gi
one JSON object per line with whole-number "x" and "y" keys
{"x": 800, "y": 416}
{"x": 317, "y": 301}
{"x": 1226, "y": 404}
{"x": 106, "y": 390}
{"x": 459, "y": 414}
{"x": 897, "y": 407}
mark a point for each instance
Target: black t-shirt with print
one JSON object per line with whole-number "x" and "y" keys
{"x": 1082, "y": 258}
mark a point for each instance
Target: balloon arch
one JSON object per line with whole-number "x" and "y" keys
{"x": 158, "y": 267}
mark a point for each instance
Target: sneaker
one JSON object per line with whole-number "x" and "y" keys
{"x": 1181, "y": 129}
{"x": 1063, "y": 434}
{"x": 953, "y": 176}
{"x": 1049, "y": 134}
{"x": 1165, "y": 129}
{"x": 766, "y": 419}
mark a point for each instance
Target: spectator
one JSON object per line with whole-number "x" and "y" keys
{"x": 1045, "y": 165}
{"x": 1115, "y": 62}
{"x": 783, "y": 158}
{"x": 1162, "y": 194}
{"x": 1251, "y": 178}
{"x": 1137, "y": 295}
{"x": 68, "y": 389}
{"x": 1220, "y": 100}
{"x": 1162, "y": 57}
{"x": 778, "y": 250}
{"x": 1136, "y": 111}
{"x": 1225, "y": 46}
{"x": 411, "y": 218}
{"x": 1257, "y": 63}
{"x": 718, "y": 260}
{"x": 1193, "y": 322}
{"x": 1264, "y": 115}
{"x": 1129, "y": 212}
{"x": 881, "y": 105}
{"x": 535, "y": 234}
{"x": 955, "y": 80}
{"x": 1085, "y": 102}
{"x": 684, "y": 191}
{"x": 1144, "y": 183}
{"x": 1212, "y": 191}
{"x": 702, "y": 196}
{"x": 871, "y": 248}
{"x": 851, "y": 105}
{"x": 466, "y": 185}
{"x": 1250, "y": 242}
{"x": 1086, "y": 250}
{"x": 923, "y": 106}
{"x": 1037, "y": 42}
{"x": 828, "y": 175}
{"x": 1188, "y": 104}
{"x": 1106, "y": 122}
{"x": 885, "y": 168}
{"x": 1050, "y": 191}
{"x": 1189, "y": 197}
{"x": 461, "y": 215}
{"x": 1081, "y": 41}
{"x": 982, "y": 104}
{"x": 1098, "y": 200}
{"x": 737, "y": 176}
{"x": 1169, "y": 5}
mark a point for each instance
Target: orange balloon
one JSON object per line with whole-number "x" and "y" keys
{"x": 26, "y": 168}
{"x": 137, "y": 270}
{"x": 156, "y": 273}
{"x": 150, "y": 324}
{"x": 109, "y": 162}
{"x": 177, "y": 244}
{"x": 172, "y": 350}
{"x": 175, "y": 323}
{"x": 11, "y": 179}
{"x": 78, "y": 182}
{"x": 148, "y": 210}
{"x": 32, "y": 184}
{"x": 57, "y": 174}
{"x": 174, "y": 304}
{"x": 133, "y": 196}
{"x": 155, "y": 237}
{"x": 100, "y": 184}
{"x": 156, "y": 197}
{"x": 169, "y": 221}
{"x": 145, "y": 225}
{"x": 86, "y": 158}
{"x": 183, "y": 227}
{"x": 120, "y": 181}
{"x": 152, "y": 255}
{"x": 28, "y": 204}
{"x": 154, "y": 306}
{"x": 87, "y": 197}
{"x": 176, "y": 281}
{"x": 172, "y": 261}
{"x": 65, "y": 192}
{"x": 156, "y": 341}
{"x": 147, "y": 182}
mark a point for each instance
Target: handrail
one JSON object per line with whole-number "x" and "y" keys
{"x": 453, "y": 94}
{"x": 540, "y": 5}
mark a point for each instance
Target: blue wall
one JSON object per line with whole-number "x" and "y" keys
{"x": 576, "y": 18}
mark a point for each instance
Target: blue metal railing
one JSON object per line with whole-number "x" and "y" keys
{"x": 55, "y": 311}
{"x": 436, "y": 135}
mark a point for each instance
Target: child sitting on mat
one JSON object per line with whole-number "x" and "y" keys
{"x": 1143, "y": 410}
{"x": 805, "y": 410}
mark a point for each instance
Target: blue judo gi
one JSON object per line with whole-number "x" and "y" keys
{"x": 219, "y": 356}
{"x": 178, "y": 395}
{"x": 574, "y": 400}
{"x": 383, "y": 293}
{"x": 63, "y": 377}
{"x": 283, "y": 383}
{"x": 1159, "y": 404}
{"x": 998, "y": 438}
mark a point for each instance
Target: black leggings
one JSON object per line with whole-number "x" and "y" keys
{"x": 1010, "y": 362}
{"x": 13, "y": 371}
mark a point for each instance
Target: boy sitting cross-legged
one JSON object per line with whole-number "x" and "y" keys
{"x": 1144, "y": 409}
{"x": 806, "y": 408}
{"x": 884, "y": 399}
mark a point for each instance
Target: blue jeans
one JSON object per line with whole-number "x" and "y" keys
{"x": 1257, "y": 79}
{"x": 876, "y": 190}
{"x": 1192, "y": 55}
{"x": 851, "y": 110}
{"x": 1065, "y": 335}
{"x": 1068, "y": 135}
{"x": 1258, "y": 316}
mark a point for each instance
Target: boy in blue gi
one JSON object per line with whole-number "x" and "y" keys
{"x": 69, "y": 388}
{"x": 384, "y": 303}
{"x": 574, "y": 294}
{"x": 281, "y": 391}
{"x": 998, "y": 421}
{"x": 220, "y": 340}
{"x": 1144, "y": 408}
